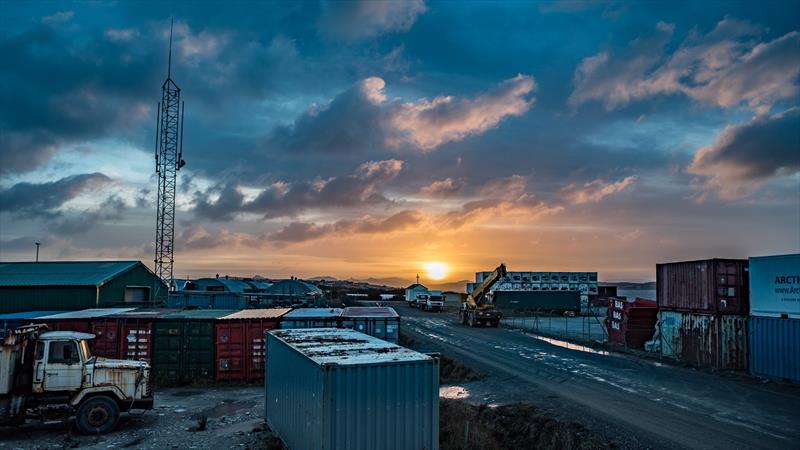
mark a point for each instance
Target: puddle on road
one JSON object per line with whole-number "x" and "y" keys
{"x": 453, "y": 392}
{"x": 228, "y": 407}
{"x": 569, "y": 345}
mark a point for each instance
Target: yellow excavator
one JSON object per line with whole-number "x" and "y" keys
{"x": 475, "y": 311}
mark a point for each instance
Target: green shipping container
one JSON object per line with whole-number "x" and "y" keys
{"x": 183, "y": 347}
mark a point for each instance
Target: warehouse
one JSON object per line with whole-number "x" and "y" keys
{"x": 73, "y": 285}
{"x": 293, "y": 292}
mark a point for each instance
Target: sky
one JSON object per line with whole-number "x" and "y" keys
{"x": 367, "y": 139}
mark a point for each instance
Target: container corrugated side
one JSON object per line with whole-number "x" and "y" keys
{"x": 704, "y": 340}
{"x": 718, "y": 286}
{"x": 366, "y": 406}
{"x": 775, "y": 347}
{"x": 775, "y": 286}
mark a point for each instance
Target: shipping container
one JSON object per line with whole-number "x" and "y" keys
{"x": 775, "y": 348}
{"x": 513, "y": 303}
{"x": 704, "y": 340}
{"x": 718, "y": 286}
{"x": 380, "y": 322}
{"x": 340, "y": 389}
{"x": 240, "y": 342}
{"x": 312, "y": 318}
{"x": 631, "y": 323}
{"x": 80, "y": 321}
{"x": 183, "y": 346}
{"x": 775, "y": 286}
{"x": 127, "y": 335}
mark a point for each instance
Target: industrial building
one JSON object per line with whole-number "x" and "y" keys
{"x": 73, "y": 285}
{"x": 583, "y": 282}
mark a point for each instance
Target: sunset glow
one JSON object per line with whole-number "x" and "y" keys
{"x": 436, "y": 270}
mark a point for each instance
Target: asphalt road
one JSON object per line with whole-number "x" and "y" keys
{"x": 649, "y": 403}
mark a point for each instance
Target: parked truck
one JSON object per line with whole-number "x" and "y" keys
{"x": 50, "y": 375}
{"x": 433, "y": 302}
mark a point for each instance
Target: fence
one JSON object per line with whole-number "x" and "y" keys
{"x": 589, "y": 326}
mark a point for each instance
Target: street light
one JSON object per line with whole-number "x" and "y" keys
{"x": 37, "y": 251}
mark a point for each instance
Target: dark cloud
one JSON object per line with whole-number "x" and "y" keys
{"x": 74, "y": 223}
{"x": 195, "y": 237}
{"x": 289, "y": 199}
{"x": 43, "y": 199}
{"x": 304, "y": 231}
{"x": 744, "y": 156}
{"x": 361, "y": 19}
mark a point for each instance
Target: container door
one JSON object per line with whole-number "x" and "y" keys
{"x": 198, "y": 351}
{"x": 167, "y": 352}
{"x": 106, "y": 341}
{"x": 230, "y": 351}
{"x": 257, "y": 349}
{"x": 136, "y": 340}
{"x": 392, "y": 330}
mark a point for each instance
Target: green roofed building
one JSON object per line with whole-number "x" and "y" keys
{"x": 74, "y": 285}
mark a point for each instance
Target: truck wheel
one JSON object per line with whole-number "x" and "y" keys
{"x": 97, "y": 415}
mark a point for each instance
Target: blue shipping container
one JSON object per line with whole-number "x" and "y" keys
{"x": 207, "y": 300}
{"x": 775, "y": 348}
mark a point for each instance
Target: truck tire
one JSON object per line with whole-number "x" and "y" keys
{"x": 97, "y": 415}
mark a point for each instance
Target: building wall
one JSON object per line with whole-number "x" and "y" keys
{"x": 58, "y": 298}
{"x": 113, "y": 292}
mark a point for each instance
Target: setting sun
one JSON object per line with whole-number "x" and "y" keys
{"x": 436, "y": 270}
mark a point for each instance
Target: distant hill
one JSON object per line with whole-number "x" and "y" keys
{"x": 631, "y": 286}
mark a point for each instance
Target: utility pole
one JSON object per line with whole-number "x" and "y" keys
{"x": 169, "y": 160}
{"x": 37, "y": 251}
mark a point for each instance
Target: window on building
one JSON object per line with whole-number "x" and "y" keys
{"x": 137, "y": 294}
{"x": 63, "y": 352}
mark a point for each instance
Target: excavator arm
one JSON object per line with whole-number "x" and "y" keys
{"x": 476, "y": 298}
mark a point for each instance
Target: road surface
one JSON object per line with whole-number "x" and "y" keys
{"x": 655, "y": 405}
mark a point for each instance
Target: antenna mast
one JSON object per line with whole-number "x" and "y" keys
{"x": 169, "y": 160}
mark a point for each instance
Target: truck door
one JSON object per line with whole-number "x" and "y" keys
{"x": 38, "y": 367}
{"x": 64, "y": 370}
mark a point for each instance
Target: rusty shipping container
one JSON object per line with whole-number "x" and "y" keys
{"x": 631, "y": 323}
{"x": 240, "y": 342}
{"x": 704, "y": 340}
{"x": 127, "y": 335}
{"x": 711, "y": 286}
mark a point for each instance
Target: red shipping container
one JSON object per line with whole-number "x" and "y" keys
{"x": 136, "y": 332}
{"x": 631, "y": 323}
{"x": 106, "y": 341}
{"x": 241, "y": 348}
{"x": 712, "y": 286}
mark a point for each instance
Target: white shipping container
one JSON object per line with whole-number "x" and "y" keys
{"x": 775, "y": 286}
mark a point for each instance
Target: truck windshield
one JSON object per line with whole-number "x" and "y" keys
{"x": 87, "y": 354}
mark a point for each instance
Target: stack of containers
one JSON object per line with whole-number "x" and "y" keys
{"x": 774, "y": 324}
{"x": 183, "y": 346}
{"x": 631, "y": 323}
{"x": 312, "y": 318}
{"x": 380, "y": 322}
{"x": 240, "y": 343}
{"x": 703, "y": 307}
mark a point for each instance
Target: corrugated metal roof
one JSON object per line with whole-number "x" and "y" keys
{"x": 86, "y": 313}
{"x": 199, "y": 314}
{"x": 369, "y": 311}
{"x": 63, "y": 273}
{"x": 314, "y": 313}
{"x": 144, "y": 313}
{"x": 345, "y": 347}
{"x": 28, "y": 315}
{"x": 271, "y": 313}
{"x": 52, "y": 335}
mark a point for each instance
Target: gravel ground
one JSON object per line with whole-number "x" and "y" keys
{"x": 234, "y": 419}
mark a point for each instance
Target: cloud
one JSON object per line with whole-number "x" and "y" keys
{"x": 745, "y": 156}
{"x": 121, "y": 34}
{"x": 727, "y": 67}
{"x": 81, "y": 222}
{"x": 44, "y": 199}
{"x": 594, "y": 191}
{"x": 305, "y": 231}
{"x": 429, "y": 124}
{"x": 363, "y": 117}
{"x": 363, "y": 19}
{"x": 198, "y": 238}
{"x": 442, "y": 188}
{"x": 524, "y": 208}
{"x": 59, "y": 17}
{"x": 289, "y": 199}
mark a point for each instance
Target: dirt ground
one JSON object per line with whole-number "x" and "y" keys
{"x": 233, "y": 418}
